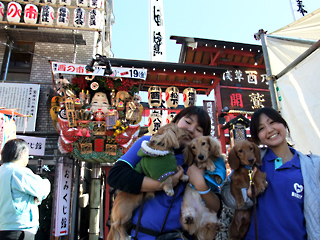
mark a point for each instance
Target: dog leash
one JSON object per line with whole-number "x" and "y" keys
{"x": 251, "y": 183}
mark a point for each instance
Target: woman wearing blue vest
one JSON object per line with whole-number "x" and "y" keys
{"x": 123, "y": 176}
{"x": 21, "y": 193}
{"x": 289, "y": 207}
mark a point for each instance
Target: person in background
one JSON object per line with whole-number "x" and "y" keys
{"x": 289, "y": 207}
{"x": 21, "y": 193}
{"x": 123, "y": 176}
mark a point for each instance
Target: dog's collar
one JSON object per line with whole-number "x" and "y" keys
{"x": 152, "y": 152}
{"x": 251, "y": 167}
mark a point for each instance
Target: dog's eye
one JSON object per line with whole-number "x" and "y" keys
{"x": 203, "y": 143}
{"x": 251, "y": 148}
{"x": 240, "y": 151}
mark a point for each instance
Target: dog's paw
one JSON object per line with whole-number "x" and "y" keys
{"x": 184, "y": 178}
{"x": 218, "y": 179}
{"x": 169, "y": 192}
{"x": 211, "y": 168}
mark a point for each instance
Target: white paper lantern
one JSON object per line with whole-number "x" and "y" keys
{"x": 14, "y": 12}
{"x": 94, "y": 19}
{"x": 1, "y": 11}
{"x": 170, "y": 116}
{"x": 65, "y": 2}
{"x": 63, "y": 16}
{"x": 95, "y": 3}
{"x": 189, "y": 97}
{"x": 154, "y": 122}
{"x": 30, "y": 14}
{"x": 82, "y": 3}
{"x": 50, "y": 1}
{"x": 47, "y": 15}
{"x": 154, "y": 96}
{"x": 172, "y": 97}
{"x": 79, "y": 17}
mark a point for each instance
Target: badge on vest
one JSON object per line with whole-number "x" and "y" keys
{"x": 298, "y": 189}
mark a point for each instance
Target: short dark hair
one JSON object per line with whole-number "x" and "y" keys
{"x": 12, "y": 150}
{"x": 204, "y": 120}
{"x": 255, "y": 121}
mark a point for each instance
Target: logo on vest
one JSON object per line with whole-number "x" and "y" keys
{"x": 298, "y": 189}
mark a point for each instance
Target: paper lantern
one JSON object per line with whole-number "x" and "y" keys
{"x": 63, "y": 15}
{"x": 189, "y": 97}
{"x": 82, "y": 3}
{"x": 14, "y": 12}
{"x": 154, "y": 96}
{"x": 65, "y": 2}
{"x": 170, "y": 116}
{"x": 94, "y": 19}
{"x": 47, "y": 15}
{"x": 172, "y": 97}
{"x": 50, "y": 1}
{"x": 95, "y": 3}
{"x": 154, "y": 122}
{"x": 79, "y": 17}
{"x": 1, "y": 11}
{"x": 30, "y": 14}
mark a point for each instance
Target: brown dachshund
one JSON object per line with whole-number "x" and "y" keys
{"x": 243, "y": 156}
{"x": 196, "y": 218}
{"x": 165, "y": 140}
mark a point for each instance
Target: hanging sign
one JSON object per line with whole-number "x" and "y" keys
{"x": 36, "y": 145}
{"x": 157, "y": 47}
{"x": 210, "y": 108}
{"x": 24, "y": 97}
{"x": 70, "y": 68}
{"x": 63, "y": 196}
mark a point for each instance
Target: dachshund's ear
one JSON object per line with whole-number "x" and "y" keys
{"x": 233, "y": 159}
{"x": 257, "y": 153}
{"x": 215, "y": 147}
{"x": 171, "y": 138}
{"x": 188, "y": 155}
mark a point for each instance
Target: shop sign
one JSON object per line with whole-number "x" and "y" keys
{"x": 24, "y": 98}
{"x": 63, "y": 196}
{"x": 210, "y": 108}
{"x": 70, "y": 68}
{"x": 36, "y": 145}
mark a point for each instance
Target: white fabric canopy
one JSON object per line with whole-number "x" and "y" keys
{"x": 299, "y": 88}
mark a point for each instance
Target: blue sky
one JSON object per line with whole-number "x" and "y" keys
{"x": 227, "y": 20}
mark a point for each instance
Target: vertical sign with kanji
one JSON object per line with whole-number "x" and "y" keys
{"x": 157, "y": 47}
{"x": 210, "y": 108}
{"x": 63, "y": 197}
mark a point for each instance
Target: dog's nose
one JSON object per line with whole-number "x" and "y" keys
{"x": 251, "y": 160}
{"x": 200, "y": 157}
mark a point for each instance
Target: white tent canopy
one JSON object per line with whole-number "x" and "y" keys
{"x": 298, "y": 89}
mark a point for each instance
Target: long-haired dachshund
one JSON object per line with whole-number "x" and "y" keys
{"x": 157, "y": 162}
{"x": 243, "y": 156}
{"x": 196, "y": 218}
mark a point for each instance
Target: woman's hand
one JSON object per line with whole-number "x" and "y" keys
{"x": 176, "y": 177}
{"x": 249, "y": 192}
{"x": 196, "y": 178}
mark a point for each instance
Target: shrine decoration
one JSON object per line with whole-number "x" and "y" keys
{"x": 63, "y": 15}
{"x": 30, "y": 14}
{"x": 47, "y": 15}
{"x": 82, "y": 3}
{"x": 154, "y": 96}
{"x": 14, "y": 12}
{"x": 79, "y": 17}
{"x": 50, "y": 1}
{"x": 170, "y": 116}
{"x": 94, "y": 19}
{"x": 172, "y": 97}
{"x": 97, "y": 118}
{"x": 95, "y": 3}
{"x": 154, "y": 122}
{"x": 65, "y": 2}
{"x": 189, "y": 97}
{"x": 1, "y": 11}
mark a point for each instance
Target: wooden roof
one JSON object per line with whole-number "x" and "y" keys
{"x": 216, "y": 53}
{"x": 202, "y": 78}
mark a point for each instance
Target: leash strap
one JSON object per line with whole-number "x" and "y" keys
{"x": 254, "y": 204}
{"x": 139, "y": 217}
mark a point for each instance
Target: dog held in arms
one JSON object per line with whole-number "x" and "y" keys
{"x": 243, "y": 156}
{"x": 158, "y": 162}
{"x": 196, "y": 218}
